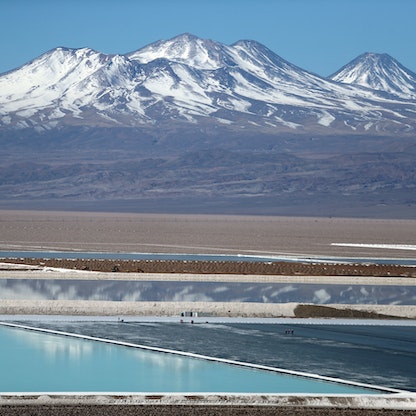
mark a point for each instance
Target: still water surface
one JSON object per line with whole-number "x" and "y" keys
{"x": 205, "y": 291}
{"x": 38, "y": 362}
{"x": 383, "y": 355}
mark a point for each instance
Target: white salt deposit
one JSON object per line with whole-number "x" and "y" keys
{"x": 387, "y": 246}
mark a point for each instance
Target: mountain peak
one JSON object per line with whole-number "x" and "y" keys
{"x": 65, "y": 51}
{"x": 189, "y": 37}
{"x": 374, "y": 60}
{"x": 378, "y": 72}
{"x": 374, "y": 56}
{"x": 186, "y": 49}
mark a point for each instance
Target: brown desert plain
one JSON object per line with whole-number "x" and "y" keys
{"x": 216, "y": 234}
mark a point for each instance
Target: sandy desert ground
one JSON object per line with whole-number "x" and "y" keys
{"x": 85, "y": 231}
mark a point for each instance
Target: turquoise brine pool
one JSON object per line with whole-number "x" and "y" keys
{"x": 32, "y": 361}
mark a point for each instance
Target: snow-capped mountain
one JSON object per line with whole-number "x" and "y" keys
{"x": 188, "y": 80}
{"x": 378, "y": 72}
{"x": 193, "y": 125}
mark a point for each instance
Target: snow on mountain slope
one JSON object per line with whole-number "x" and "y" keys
{"x": 186, "y": 78}
{"x": 246, "y": 67}
{"x": 378, "y": 72}
{"x": 251, "y": 74}
{"x": 65, "y": 82}
{"x": 44, "y": 80}
{"x": 186, "y": 49}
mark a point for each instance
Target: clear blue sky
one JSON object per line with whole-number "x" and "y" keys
{"x": 318, "y": 35}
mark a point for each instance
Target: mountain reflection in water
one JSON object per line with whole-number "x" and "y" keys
{"x": 177, "y": 291}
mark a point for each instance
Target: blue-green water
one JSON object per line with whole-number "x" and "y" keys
{"x": 38, "y": 362}
{"x": 384, "y": 354}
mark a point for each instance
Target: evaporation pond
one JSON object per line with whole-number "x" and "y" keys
{"x": 32, "y": 361}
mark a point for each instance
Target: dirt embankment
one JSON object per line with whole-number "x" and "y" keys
{"x": 222, "y": 267}
{"x": 196, "y": 410}
{"x": 320, "y": 311}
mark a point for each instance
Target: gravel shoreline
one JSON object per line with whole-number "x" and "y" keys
{"x": 208, "y": 405}
{"x": 220, "y": 267}
{"x": 191, "y": 410}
